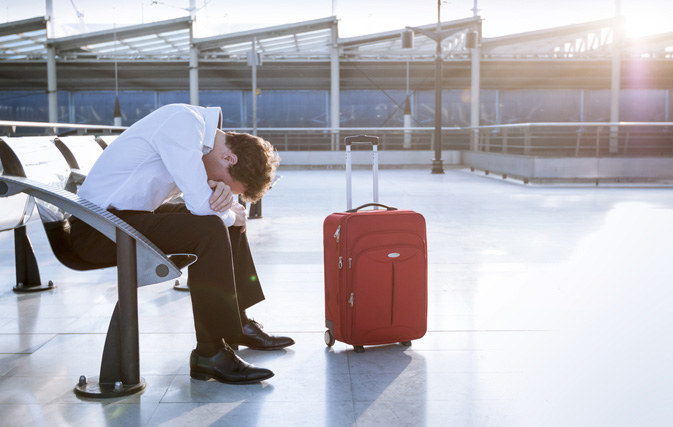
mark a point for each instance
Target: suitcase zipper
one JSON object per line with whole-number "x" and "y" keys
{"x": 338, "y": 233}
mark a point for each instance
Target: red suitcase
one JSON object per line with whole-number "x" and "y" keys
{"x": 375, "y": 270}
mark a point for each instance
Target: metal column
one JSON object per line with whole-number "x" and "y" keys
{"x": 51, "y": 84}
{"x": 253, "y": 62}
{"x": 475, "y": 95}
{"x": 334, "y": 105}
{"x": 615, "y": 88}
{"x": 193, "y": 75}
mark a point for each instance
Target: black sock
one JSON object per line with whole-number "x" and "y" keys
{"x": 208, "y": 349}
{"x": 244, "y": 318}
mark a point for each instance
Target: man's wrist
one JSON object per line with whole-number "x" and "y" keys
{"x": 229, "y": 217}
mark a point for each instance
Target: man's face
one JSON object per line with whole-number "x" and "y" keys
{"x": 218, "y": 161}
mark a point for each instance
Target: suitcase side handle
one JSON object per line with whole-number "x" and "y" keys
{"x": 389, "y": 208}
{"x": 362, "y": 139}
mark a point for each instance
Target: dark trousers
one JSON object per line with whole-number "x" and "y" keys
{"x": 222, "y": 282}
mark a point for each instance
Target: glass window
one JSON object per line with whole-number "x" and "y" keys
{"x": 98, "y": 107}
{"x": 173, "y": 97}
{"x": 531, "y": 106}
{"x": 229, "y": 101}
{"x": 456, "y": 106}
{"x": 488, "y": 107}
{"x": 362, "y": 108}
{"x": 30, "y": 106}
{"x": 597, "y": 105}
{"x": 642, "y": 105}
{"x": 288, "y": 108}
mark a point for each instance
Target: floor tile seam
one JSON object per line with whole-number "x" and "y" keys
{"x": 175, "y": 376}
{"x": 486, "y": 330}
{"x": 457, "y": 399}
{"x": 257, "y": 402}
{"x": 350, "y": 382}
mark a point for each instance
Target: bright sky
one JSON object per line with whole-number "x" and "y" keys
{"x": 357, "y": 17}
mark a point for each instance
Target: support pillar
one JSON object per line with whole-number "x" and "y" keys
{"x": 51, "y": 84}
{"x": 253, "y": 62}
{"x": 334, "y": 105}
{"x": 193, "y": 75}
{"x": 475, "y": 95}
{"x": 615, "y": 86}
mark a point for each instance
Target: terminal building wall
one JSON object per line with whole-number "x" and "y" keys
{"x": 372, "y": 94}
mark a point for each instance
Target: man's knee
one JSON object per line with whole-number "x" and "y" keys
{"x": 208, "y": 226}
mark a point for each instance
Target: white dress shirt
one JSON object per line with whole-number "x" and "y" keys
{"x": 156, "y": 159}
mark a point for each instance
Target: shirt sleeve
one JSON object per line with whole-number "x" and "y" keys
{"x": 229, "y": 217}
{"x": 178, "y": 141}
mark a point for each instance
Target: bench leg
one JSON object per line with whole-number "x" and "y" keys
{"x": 255, "y": 210}
{"x": 27, "y": 271}
{"x": 120, "y": 367}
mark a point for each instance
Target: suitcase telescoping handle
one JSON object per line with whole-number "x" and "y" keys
{"x": 361, "y": 139}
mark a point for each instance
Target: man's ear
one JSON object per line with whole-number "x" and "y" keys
{"x": 230, "y": 158}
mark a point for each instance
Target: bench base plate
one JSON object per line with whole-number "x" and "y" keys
{"x": 92, "y": 389}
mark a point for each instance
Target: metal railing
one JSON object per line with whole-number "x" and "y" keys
{"x": 564, "y": 139}
{"x": 9, "y": 128}
{"x": 585, "y": 139}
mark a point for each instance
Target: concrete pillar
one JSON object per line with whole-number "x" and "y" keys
{"x": 51, "y": 84}
{"x": 253, "y": 63}
{"x": 615, "y": 85}
{"x": 407, "y": 122}
{"x": 334, "y": 105}
{"x": 475, "y": 95}
{"x": 193, "y": 75}
{"x": 52, "y": 99}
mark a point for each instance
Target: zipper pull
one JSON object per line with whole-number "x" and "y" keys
{"x": 337, "y": 234}
{"x": 349, "y": 262}
{"x": 341, "y": 264}
{"x": 350, "y": 300}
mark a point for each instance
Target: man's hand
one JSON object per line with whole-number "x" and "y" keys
{"x": 222, "y": 198}
{"x": 241, "y": 216}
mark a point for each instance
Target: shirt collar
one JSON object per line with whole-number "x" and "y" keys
{"x": 213, "y": 118}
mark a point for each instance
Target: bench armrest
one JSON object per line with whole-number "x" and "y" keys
{"x": 153, "y": 266}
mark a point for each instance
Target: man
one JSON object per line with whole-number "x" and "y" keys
{"x": 180, "y": 149}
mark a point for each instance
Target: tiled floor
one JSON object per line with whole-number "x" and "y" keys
{"x": 548, "y": 306}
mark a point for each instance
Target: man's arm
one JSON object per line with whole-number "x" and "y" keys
{"x": 178, "y": 141}
{"x": 241, "y": 216}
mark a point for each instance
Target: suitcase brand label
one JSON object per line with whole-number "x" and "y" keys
{"x": 393, "y": 255}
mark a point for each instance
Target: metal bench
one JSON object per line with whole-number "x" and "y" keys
{"x": 139, "y": 262}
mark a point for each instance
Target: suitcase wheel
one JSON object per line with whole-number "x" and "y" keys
{"x": 406, "y": 343}
{"x": 329, "y": 338}
{"x": 359, "y": 349}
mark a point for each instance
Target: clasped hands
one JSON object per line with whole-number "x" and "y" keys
{"x": 222, "y": 200}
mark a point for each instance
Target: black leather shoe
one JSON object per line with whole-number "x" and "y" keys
{"x": 254, "y": 337}
{"x": 226, "y": 367}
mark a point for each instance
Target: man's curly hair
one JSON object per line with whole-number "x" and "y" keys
{"x": 256, "y": 165}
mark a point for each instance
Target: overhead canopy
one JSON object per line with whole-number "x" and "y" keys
{"x": 157, "y": 40}
{"x": 303, "y": 40}
{"x": 23, "y": 39}
{"x": 388, "y": 45}
{"x": 314, "y": 40}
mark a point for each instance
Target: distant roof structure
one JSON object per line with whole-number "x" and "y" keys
{"x": 157, "y": 40}
{"x": 170, "y": 40}
{"x": 310, "y": 40}
{"x": 589, "y": 40}
{"x": 21, "y": 40}
{"x": 388, "y": 45}
{"x": 167, "y": 40}
{"x": 658, "y": 46}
